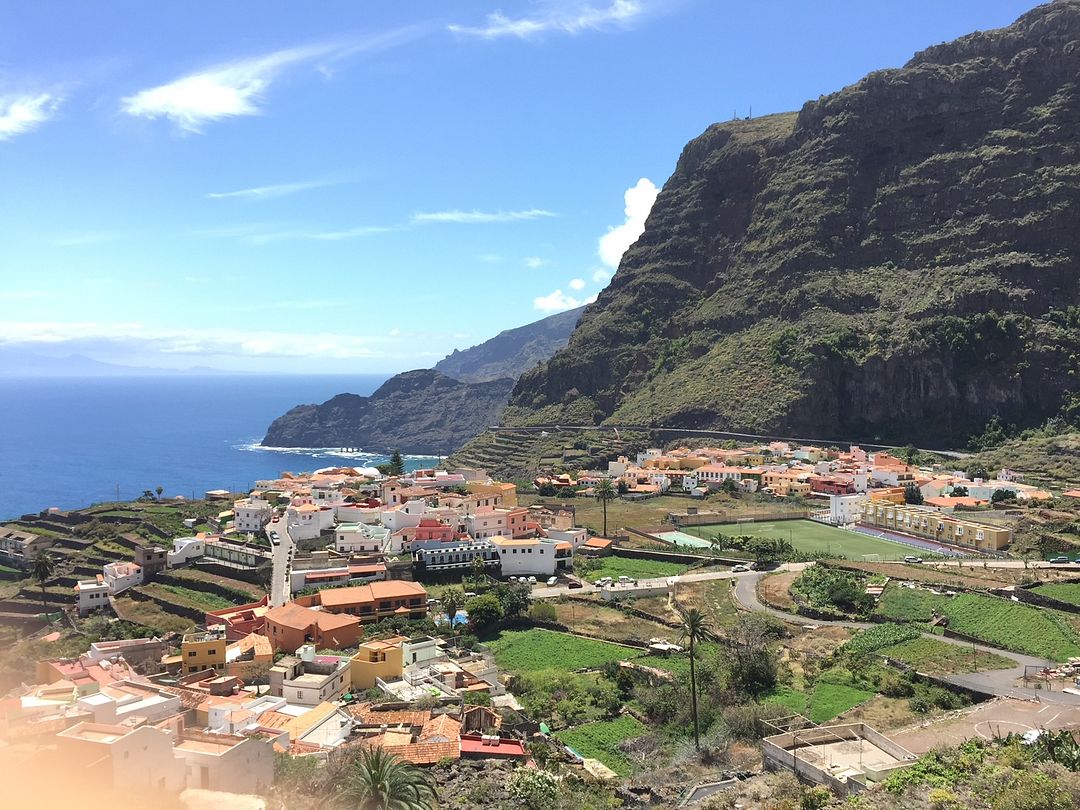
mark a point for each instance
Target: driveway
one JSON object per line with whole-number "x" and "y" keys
{"x": 282, "y": 565}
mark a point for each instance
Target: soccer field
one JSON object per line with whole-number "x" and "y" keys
{"x": 809, "y": 536}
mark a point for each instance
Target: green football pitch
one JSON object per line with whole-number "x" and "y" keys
{"x": 809, "y": 536}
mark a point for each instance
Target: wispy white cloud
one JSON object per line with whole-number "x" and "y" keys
{"x": 22, "y": 113}
{"x": 142, "y": 338}
{"x": 478, "y": 217}
{"x": 576, "y": 284}
{"x": 265, "y": 233}
{"x": 572, "y": 19}
{"x": 534, "y": 262}
{"x": 239, "y": 87}
{"x": 639, "y": 201}
{"x": 490, "y": 258}
{"x": 275, "y": 190}
{"x": 601, "y": 276}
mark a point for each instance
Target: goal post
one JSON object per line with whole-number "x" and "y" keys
{"x": 745, "y": 520}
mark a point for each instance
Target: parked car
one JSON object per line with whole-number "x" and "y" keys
{"x": 1060, "y": 560}
{"x": 910, "y": 559}
{"x": 600, "y": 583}
{"x": 740, "y": 569}
{"x": 513, "y": 579}
{"x": 552, "y": 581}
{"x": 532, "y": 580}
{"x": 575, "y": 584}
{"x": 470, "y": 594}
{"x": 627, "y": 581}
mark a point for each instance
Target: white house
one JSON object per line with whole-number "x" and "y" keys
{"x": 186, "y": 549}
{"x": 844, "y": 509}
{"x": 119, "y": 576}
{"x": 307, "y": 521}
{"x": 690, "y": 481}
{"x": 532, "y": 556}
{"x": 351, "y": 512}
{"x": 91, "y": 594}
{"x": 404, "y": 516}
{"x": 308, "y": 679}
{"x": 251, "y": 514}
{"x": 360, "y": 538}
{"x": 576, "y": 537}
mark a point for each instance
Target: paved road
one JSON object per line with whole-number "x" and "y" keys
{"x": 727, "y": 434}
{"x": 282, "y": 565}
{"x": 659, "y": 582}
{"x": 1001, "y": 682}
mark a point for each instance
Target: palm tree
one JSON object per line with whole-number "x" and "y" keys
{"x": 42, "y": 570}
{"x": 452, "y": 600}
{"x": 605, "y": 491}
{"x": 695, "y": 629}
{"x": 380, "y": 781}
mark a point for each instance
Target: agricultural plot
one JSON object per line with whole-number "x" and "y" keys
{"x": 940, "y": 658}
{"x": 809, "y": 537}
{"x": 186, "y": 596}
{"x": 1062, "y": 591}
{"x": 597, "y": 619}
{"x": 999, "y": 622}
{"x": 822, "y": 703}
{"x": 616, "y": 567}
{"x": 150, "y": 615}
{"x": 536, "y": 649}
{"x": 600, "y": 740}
{"x": 678, "y": 664}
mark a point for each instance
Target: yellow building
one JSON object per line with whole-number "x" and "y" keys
{"x": 930, "y": 524}
{"x": 507, "y": 491}
{"x": 199, "y": 651}
{"x": 887, "y": 495}
{"x": 377, "y": 659}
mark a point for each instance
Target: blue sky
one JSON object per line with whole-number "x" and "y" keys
{"x": 346, "y": 186}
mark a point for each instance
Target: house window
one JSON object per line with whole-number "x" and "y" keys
{"x": 191, "y": 654}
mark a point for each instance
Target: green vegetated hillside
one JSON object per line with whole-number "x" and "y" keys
{"x": 417, "y": 412}
{"x": 512, "y": 351}
{"x": 896, "y": 261}
{"x": 431, "y": 411}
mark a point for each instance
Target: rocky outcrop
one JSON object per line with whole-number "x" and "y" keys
{"x": 898, "y": 261}
{"x": 513, "y": 351}
{"x": 422, "y": 412}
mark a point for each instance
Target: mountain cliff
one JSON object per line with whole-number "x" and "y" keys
{"x": 512, "y": 352}
{"x": 897, "y": 261}
{"x": 421, "y": 411}
{"x": 431, "y": 412}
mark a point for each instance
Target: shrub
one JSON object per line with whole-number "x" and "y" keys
{"x": 537, "y": 789}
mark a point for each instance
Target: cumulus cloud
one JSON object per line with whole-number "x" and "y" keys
{"x": 556, "y": 301}
{"x": 576, "y": 284}
{"x": 639, "y": 201}
{"x": 22, "y": 113}
{"x": 566, "y": 20}
{"x": 275, "y": 190}
{"x": 479, "y": 217}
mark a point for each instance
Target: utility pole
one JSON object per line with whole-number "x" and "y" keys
{"x": 118, "y": 493}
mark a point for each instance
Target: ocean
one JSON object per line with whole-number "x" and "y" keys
{"x": 73, "y": 442}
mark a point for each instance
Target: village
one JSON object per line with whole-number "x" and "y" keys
{"x": 396, "y": 612}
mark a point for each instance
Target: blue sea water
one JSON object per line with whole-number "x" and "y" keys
{"x": 71, "y": 442}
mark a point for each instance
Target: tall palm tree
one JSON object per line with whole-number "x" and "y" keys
{"x": 695, "y": 629}
{"x": 605, "y": 491}
{"x": 380, "y": 781}
{"x": 42, "y": 570}
{"x": 453, "y": 600}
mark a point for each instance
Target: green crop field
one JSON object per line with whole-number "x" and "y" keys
{"x": 536, "y": 649}
{"x": 909, "y": 604}
{"x": 679, "y": 664}
{"x": 810, "y": 537}
{"x": 1062, "y": 591}
{"x": 999, "y": 622}
{"x": 616, "y": 567}
{"x": 823, "y": 703}
{"x": 600, "y": 740}
{"x": 941, "y": 658}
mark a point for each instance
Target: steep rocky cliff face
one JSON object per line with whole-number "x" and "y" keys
{"x": 428, "y": 411}
{"x": 422, "y": 412}
{"x": 897, "y": 261}
{"x": 513, "y": 351}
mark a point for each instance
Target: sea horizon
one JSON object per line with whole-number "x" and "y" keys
{"x": 106, "y": 438}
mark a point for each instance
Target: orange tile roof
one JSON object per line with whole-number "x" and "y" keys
{"x": 425, "y": 753}
{"x": 372, "y": 592}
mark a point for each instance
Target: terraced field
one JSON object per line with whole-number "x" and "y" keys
{"x": 999, "y": 622}
{"x": 536, "y": 649}
{"x": 600, "y": 740}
